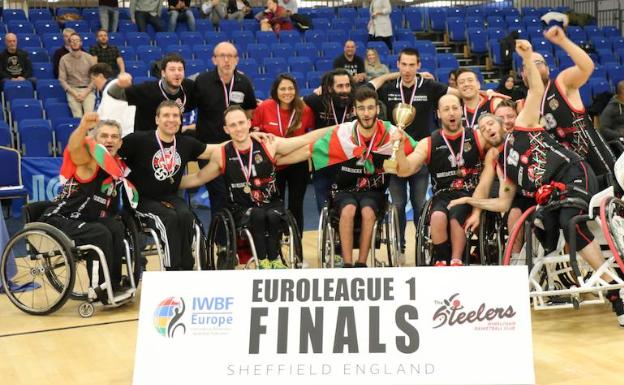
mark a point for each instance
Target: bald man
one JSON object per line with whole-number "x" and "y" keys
{"x": 453, "y": 154}
{"x": 215, "y": 91}
{"x": 14, "y": 63}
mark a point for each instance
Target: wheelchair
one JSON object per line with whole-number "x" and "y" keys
{"x": 558, "y": 277}
{"x": 231, "y": 245}
{"x": 385, "y": 232}
{"x": 484, "y": 247}
{"x": 50, "y": 269}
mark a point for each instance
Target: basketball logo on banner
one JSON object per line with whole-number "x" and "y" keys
{"x": 167, "y": 317}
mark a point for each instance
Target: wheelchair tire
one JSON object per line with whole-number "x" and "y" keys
{"x": 424, "y": 246}
{"x": 44, "y": 260}
{"x": 131, "y": 229}
{"x": 393, "y": 245}
{"x": 612, "y": 224}
{"x": 490, "y": 241}
{"x": 325, "y": 241}
{"x": 223, "y": 256}
{"x": 296, "y": 251}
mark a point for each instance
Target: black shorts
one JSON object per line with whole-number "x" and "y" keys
{"x": 241, "y": 214}
{"x": 374, "y": 199}
{"x": 441, "y": 201}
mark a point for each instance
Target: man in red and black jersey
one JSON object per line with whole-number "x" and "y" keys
{"x": 248, "y": 167}
{"x": 473, "y": 103}
{"x": 453, "y": 155}
{"x": 561, "y": 107}
{"x": 528, "y": 159}
{"x": 85, "y": 209}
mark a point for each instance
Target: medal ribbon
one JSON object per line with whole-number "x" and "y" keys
{"x": 226, "y": 94}
{"x": 182, "y": 104}
{"x": 246, "y": 171}
{"x": 344, "y": 114}
{"x": 413, "y": 92}
{"x": 279, "y": 120}
{"x": 459, "y": 157}
{"x": 544, "y": 98}
{"x": 169, "y": 168}
{"x": 366, "y": 158}
{"x": 474, "y": 116}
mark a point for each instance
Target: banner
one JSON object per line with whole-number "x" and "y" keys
{"x": 467, "y": 325}
{"x": 40, "y": 177}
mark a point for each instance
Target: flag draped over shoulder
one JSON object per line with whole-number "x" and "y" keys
{"x": 342, "y": 143}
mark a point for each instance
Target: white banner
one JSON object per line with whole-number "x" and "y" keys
{"x": 468, "y": 325}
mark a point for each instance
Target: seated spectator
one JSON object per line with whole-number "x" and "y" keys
{"x": 351, "y": 62}
{"x": 14, "y": 63}
{"x": 180, "y": 10}
{"x": 373, "y": 66}
{"x": 106, "y": 53}
{"x": 509, "y": 88}
{"x": 74, "y": 78}
{"x": 612, "y": 117}
{"x": 452, "y": 79}
{"x": 274, "y": 18}
{"x": 238, "y": 10}
{"x": 214, "y": 11}
{"x": 109, "y": 14}
{"x": 59, "y": 53}
{"x": 289, "y": 5}
{"x": 143, "y": 12}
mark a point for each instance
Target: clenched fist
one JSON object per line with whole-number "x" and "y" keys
{"x": 124, "y": 80}
{"x": 524, "y": 49}
{"x": 90, "y": 119}
{"x": 555, "y": 35}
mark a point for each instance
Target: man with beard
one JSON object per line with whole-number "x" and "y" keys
{"x": 453, "y": 155}
{"x": 473, "y": 103}
{"x": 358, "y": 149}
{"x": 248, "y": 168}
{"x": 106, "y": 53}
{"x": 147, "y": 96}
{"x": 74, "y": 78}
{"x": 533, "y": 162}
{"x": 562, "y": 110}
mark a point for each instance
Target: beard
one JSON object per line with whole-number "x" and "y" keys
{"x": 341, "y": 100}
{"x": 367, "y": 127}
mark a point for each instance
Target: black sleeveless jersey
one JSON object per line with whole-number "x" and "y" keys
{"x": 575, "y": 130}
{"x": 446, "y": 171}
{"x": 470, "y": 117}
{"x": 261, "y": 184}
{"x": 352, "y": 176}
{"x": 531, "y": 158}
{"x": 85, "y": 200}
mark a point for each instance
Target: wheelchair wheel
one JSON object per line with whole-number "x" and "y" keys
{"x": 291, "y": 250}
{"x": 132, "y": 241}
{"x": 612, "y": 224}
{"x": 491, "y": 239}
{"x": 44, "y": 269}
{"x": 325, "y": 240}
{"x": 392, "y": 231}
{"x": 200, "y": 246}
{"x": 222, "y": 241}
{"x": 424, "y": 247}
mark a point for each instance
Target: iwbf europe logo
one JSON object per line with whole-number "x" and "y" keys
{"x": 167, "y": 317}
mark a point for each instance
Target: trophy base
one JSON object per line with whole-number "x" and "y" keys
{"x": 390, "y": 166}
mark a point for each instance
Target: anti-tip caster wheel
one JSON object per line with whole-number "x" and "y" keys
{"x": 86, "y": 309}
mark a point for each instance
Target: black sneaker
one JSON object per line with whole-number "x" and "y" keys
{"x": 360, "y": 264}
{"x": 618, "y": 307}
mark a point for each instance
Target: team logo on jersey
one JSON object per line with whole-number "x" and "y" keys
{"x": 166, "y": 165}
{"x": 553, "y": 103}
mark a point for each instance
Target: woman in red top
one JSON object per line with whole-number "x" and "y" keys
{"x": 286, "y": 115}
{"x": 274, "y": 18}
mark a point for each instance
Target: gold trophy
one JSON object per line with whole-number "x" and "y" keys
{"x": 403, "y": 115}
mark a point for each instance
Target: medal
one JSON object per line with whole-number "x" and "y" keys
{"x": 171, "y": 180}
{"x": 459, "y": 157}
{"x": 246, "y": 170}
{"x": 461, "y": 172}
{"x": 247, "y": 189}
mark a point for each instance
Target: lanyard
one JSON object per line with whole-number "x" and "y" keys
{"x": 181, "y": 103}
{"x": 361, "y": 140}
{"x": 170, "y": 168}
{"x": 544, "y": 98}
{"x": 459, "y": 157}
{"x": 474, "y": 116}
{"x": 413, "y": 92}
{"x": 246, "y": 171}
{"x": 279, "y": 120}
{"x": 227, "y": 94}
{"x": 505, "y": 157}
{"x": 344, "y": 114}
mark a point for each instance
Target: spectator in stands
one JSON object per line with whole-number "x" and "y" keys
{"x": 274, "y": 18}
{"x": 351, "y": 62}
{"x": 612, "y": 117}
{"x": 380, "y": 25}
{"x": 239, "y": 10}
{"x": 452, "y": 79}
{"x": 74, "y": 78}
{"x": 109, "y": 15}
{"x": 509, "y": 88}
{"x": 59, "y": 53}
{"x": 180, "y": 10}
{"x": 214, "y": 11}
{"x": 143, "y": 12}
{"x": 106, "y": 53}
{"x": 373, "y": 66}
{"x": 289, "y": 5}
{"x": 285, "y": 115}
{"x": 14, "y": 63}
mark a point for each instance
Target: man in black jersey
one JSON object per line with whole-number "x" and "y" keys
{"x": 473, "y": 103}
{"x": 248, "y": 168}
{"x": 529, "y": 160}
{"x": 85, "y": 208}
{"x": 147, "y": 96}
{"x": 453, "y": 156}
{"x": 562, "y": 110}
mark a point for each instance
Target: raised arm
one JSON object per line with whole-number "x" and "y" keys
{"x": 530, "y": 114}
{"x": 118, "y": 89}
{"x": 76, "y": 143}
{"x": 299, "y": 155}
{"x": 205, "y": 174}
{"x": 380, "y": 80}
{"x": 410, "y": 164}
{"x": 210, "y": 149}
{"x": 574, "y": 77}
{"x": 284, "y": 146}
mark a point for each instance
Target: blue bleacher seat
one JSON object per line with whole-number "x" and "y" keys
{"x": 496, "y": 22}
{"x": 90, "y": 14}
{"x": 195, "y": 66}
{"x": 599, "y": 85}
{"x": 564, "y": 60}
{"x": 127, "y": 52}
{"x": 380, "y": 46}
{"x": 62, "y": 132}
{"x": 274, "y": 66}
{"x": 455, "y": 12}
{"x": 204, "y": 52}
{"x": 136, "y": 68}
{"x": 425, "y": 47}
{"x": 6, "y": 135}
{"x": 262, "y": 84}
{"x": 46, "y": 26}
{"x": 116, "y": 38}
{"x": 331, "y": 50}
{"x": 266, "y": 37}
{"x": 191, "y": 38}
{"x": 248, "y": 66}
{"x": 477, "y": 38}
{"x": 593, "y": 31}
{"x": 80, "y": 26}
{"x": 36, "y": 14}
{"x": 427, "y": 61}
{"x": 182, "y": 50}
{"x": 28, "y": 40}
{"x": 13, "y": 15}
{"x": 601, "y": 43}
{"x": 300, "y": 64}
{"x": 55, "y": 110}
{"x": 25, "y": 109}
{"x": 358, "y": 35}
{"x": 447, "y": 60}
{"x": 495, "y": 33}
{"x": 606, "y": 56}
{"x": 291, "y": 37}
{"x": 321, "y": 23}
{"x": 43, "y": 71}
{"x": 474, "y": 22}
{"x": 63, "y": 10}
{"x": 337, "y": 35}
{"x": 396, "y": 16}
{"x": 229, "y": 26}
{"x": 414, "y": 18}
{"x": 149, "y": 53}
{"x": 135, "y": 39}
{"x": 535, "y": 32}
{"x": 257, "y": 51}
{"x": 347, "y": 13}
{"x": 437, "y": 19}
{"x": 281, "y": 50}
{"x": 315, "y": 36}
{"x": 36, "y": 138}
{"x": 615, "y": 73}
{"x": 363, "y": 12}
{"x": 17, "y": 89}
{"x": 309, "y": 50}
{"x": 215, "y": 36}
{"x": 127, "y": 26}
{"x": 50, "y": 88}
{"x": 400, "y": 45}
{"x": 324, "y": 65}
{"x": 52, "y": 40}
{"x": 345, "y": 25}
{"x": 610, "y": 31}
{"x": 522, "y": 32}
{"x": 300, "y": 79}
{"x": 531, "y": 21}
{"x": 576, "y": 33}
{"x": 495, "y": 51}
{"x": 314, "y": 79}
{"x": 164, "y": 39}
{"x": 530, "y": 11}
{"x": 37, "y": 54}
{"x": 141, "y": 79}
{"x": 542, "y": 45}
{"x": 586, "y": 94}
{"x": 513, "y": 22}
{"x": 204, "y": 25}
{"x": 18, "y": 26}
{"x": 456, "y": 28}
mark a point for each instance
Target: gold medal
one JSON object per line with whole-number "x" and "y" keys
{"x": 247, "y": 189}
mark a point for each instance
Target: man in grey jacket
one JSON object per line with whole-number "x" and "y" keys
{"x": 143, "y": 12}
{"x": 612, "y": 117}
